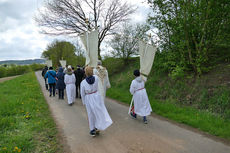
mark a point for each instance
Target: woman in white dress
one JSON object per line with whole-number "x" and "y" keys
{"x": 70, "y": 85}
{"x": 98, "y": 115}
{"x": 141, "y": 102}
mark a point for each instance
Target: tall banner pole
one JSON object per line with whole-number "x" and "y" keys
{"x": 147, "y": 54}
{"x": 87, "y": 36}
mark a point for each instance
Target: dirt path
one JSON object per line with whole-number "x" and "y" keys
{"x": 126, "y": 135}
{"x": 8, "y": 78}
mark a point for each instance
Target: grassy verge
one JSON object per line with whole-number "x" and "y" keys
{"x": 202, "y": 120}
{"x": 162, "y": 95}
{"x": 26, "y": 124}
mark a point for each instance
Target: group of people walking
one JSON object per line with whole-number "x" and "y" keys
{"x": 90, "y": 84}
{"x": 64, "y": 78}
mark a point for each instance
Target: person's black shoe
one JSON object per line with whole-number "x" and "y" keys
{"x": 133, "y": 115}
{"x": 92, "y": 133}
{"x": 71, "y": 104}
{"x": 145, "y": 120}
{"x": 50, "y": 95}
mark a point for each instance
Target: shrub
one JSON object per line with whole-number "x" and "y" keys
{"x": 13, "y": 70}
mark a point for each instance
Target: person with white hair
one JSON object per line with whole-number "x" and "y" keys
{"x": 103, "y": 83}
{"x": 70, "y": 85}
{"x": 98, "y": 115}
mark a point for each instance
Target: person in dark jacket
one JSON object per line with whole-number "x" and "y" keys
{"x": 79, "y": 74}
{"x": 51, "y": 75}
{"x": 60, "y": 83}
{"x": 44, "y": 70}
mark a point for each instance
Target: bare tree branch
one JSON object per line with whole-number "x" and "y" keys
{"x": 68, "y": 17}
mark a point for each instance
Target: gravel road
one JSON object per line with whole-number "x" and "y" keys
{"x": 126, "y": 135}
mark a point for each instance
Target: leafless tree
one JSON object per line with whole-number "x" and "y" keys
{"x": 69, "y": 17}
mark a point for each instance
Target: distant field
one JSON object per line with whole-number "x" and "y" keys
{"x": 26, "y": 124}
{"x": 13, "y": 70}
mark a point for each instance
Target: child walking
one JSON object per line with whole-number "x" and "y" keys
{"x": 141, "y": 102}
{"x": 98, "y": 115}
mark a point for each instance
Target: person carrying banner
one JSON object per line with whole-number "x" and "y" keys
{"x": 103, "y": 83}
{"x": 141, "y": 102}
{"x": 98, "y": 115}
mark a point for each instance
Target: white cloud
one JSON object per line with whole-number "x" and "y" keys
{"x": 19, "y": 35}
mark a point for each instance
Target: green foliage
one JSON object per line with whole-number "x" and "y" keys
{"x": 19, "y": 69}
{"x": 125, "y": 42}
{"x": 26, "y": 123}
{"x": 59, "y": 50}
{"x": 113, "y": 65}
{"x": 199, "y": 102}
{"x": 3, "y": 71}
{"x": 191, "y": 32}
{"x": 177, "y": 73}
{"x": 218, "y": 101}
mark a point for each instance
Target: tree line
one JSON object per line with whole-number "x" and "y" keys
{"x": 192, "y": 36}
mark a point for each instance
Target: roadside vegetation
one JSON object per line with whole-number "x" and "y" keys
{"x": 202, "y": 102}
{"x": 189, "y": 81}
{"x": 26, "y": 124}
{"x": 12, "y": 70}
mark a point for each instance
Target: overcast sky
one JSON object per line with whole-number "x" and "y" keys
{"x": 19, "y": 35}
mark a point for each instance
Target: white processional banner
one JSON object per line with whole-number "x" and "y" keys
{"x": 147, "y": 54}
{"x": 90, "y": 41}
{"x": 49, "y": 63}
{"x": 63, "y": 63}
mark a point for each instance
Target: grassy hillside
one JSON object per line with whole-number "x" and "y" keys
{"x": 26, "y": 124}
{"x": 199, "y": 102}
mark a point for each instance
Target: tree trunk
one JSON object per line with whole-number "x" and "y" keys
{"x": 99, "y": 50}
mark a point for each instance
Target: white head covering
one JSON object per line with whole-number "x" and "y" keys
{"x": 69, "y": 67}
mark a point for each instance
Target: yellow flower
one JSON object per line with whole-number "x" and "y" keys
{"x": 4, "y": 148}
{"x": 19, "y": 150}
{"x": 16, "y": 148}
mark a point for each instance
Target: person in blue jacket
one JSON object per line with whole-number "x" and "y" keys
{"x": 51, "y": 75}
{"x": 60, "y": 83}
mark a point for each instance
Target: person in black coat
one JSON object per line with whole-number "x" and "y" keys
{"x": 60, "y": 83}
{"x": 44, "y": 70}
{"x": 79, "y": 74}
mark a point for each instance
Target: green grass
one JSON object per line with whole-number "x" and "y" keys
{"x": 167, "y": 100}
{"x": 202, "y": 120}
{"x": 26, "y": 124}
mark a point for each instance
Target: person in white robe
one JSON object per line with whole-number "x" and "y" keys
{"x": 70, "y": 85}
{"x": 141, "y": 102}
{"x": 103, "y": 83}
{"x": 98, "y": 115}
